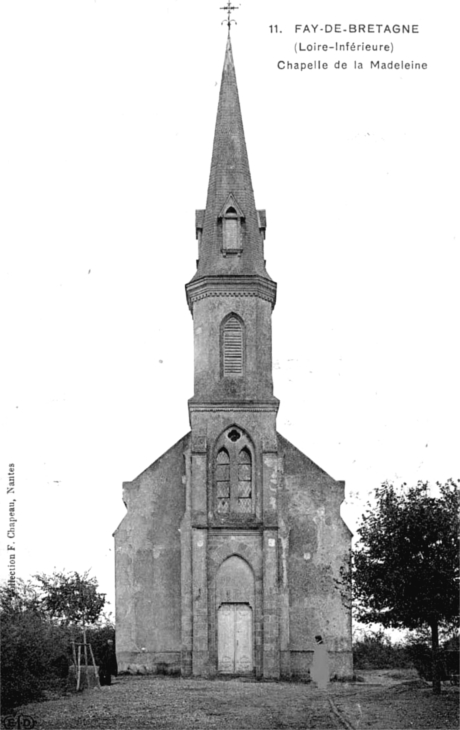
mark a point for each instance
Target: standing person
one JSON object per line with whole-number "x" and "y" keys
{"x": 319, "y": 671}
{"x": 108, "y": 663}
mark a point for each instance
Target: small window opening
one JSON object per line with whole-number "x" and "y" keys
{"x": 231, "y": 231}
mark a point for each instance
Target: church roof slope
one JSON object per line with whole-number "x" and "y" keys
{"x": 299, "y": 457}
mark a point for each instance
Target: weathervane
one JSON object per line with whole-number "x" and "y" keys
{"x": 229, "y": 7}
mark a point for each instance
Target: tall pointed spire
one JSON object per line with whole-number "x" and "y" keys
{"x": 230, "y": 185}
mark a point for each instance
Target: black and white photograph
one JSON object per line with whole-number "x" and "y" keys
{"x": 230, "y": 376}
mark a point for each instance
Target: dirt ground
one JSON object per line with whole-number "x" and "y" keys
{"x": 386, "y": 700}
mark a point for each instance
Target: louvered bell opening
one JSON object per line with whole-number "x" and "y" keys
{"x": 233, "y": 347}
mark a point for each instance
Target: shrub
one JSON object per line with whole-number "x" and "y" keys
{"x": 34, "y": 651}
{"x": 36, "y": 646}
{"x": 422, "y": 658}
{"x": 376, "y": 651}
{"x": 98, "y": 636}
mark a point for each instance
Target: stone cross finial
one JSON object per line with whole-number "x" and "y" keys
{"x": 229, "y": 7}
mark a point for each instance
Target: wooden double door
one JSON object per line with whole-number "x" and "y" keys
{"x": 234, "y": 638}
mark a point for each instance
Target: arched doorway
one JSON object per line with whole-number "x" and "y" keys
{"x": 235, "y": 607}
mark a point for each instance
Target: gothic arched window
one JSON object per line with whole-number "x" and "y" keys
{"x": 244, "y": 481}
{"x": 223, "y": 482}
{"x": 232, "y": 346}
{"x": 234, "y": 493}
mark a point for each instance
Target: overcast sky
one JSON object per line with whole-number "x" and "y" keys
{"x": 106, "y": 130}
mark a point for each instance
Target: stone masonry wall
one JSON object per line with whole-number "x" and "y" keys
{"x": 314, "y": 544}
{"x": 148, "y": 566}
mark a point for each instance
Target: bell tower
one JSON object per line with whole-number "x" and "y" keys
{"x": 231, "y": 296}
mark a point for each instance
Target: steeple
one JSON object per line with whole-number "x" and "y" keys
{"x": 230, "y": 230}
{"x": 231, "y": 296}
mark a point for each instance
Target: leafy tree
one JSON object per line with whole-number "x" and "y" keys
{"x": 405, "y": 568}
{"x": 71, "y": 597}
{"x": 74, "y": 600}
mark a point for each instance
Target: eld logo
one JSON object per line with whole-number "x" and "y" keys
{"x": 22, "y": 722}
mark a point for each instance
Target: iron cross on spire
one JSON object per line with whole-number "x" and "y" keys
{"x": 229, "y": 7}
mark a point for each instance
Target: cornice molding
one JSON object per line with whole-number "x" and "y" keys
{"x": 267, "y": 407}
{"x": 256, "y": 527}
{"x": 231, "y": 286}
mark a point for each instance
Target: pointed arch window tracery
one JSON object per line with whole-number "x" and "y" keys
{"x": 234, "y": 476}
{"x": 223, "y": 482}
{"x": 244, "y": 481}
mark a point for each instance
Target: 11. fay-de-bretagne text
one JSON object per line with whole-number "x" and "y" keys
{"x": 379, "y": 28}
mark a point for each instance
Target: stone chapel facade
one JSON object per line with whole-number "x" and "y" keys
{"x": 226, "y": 558}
